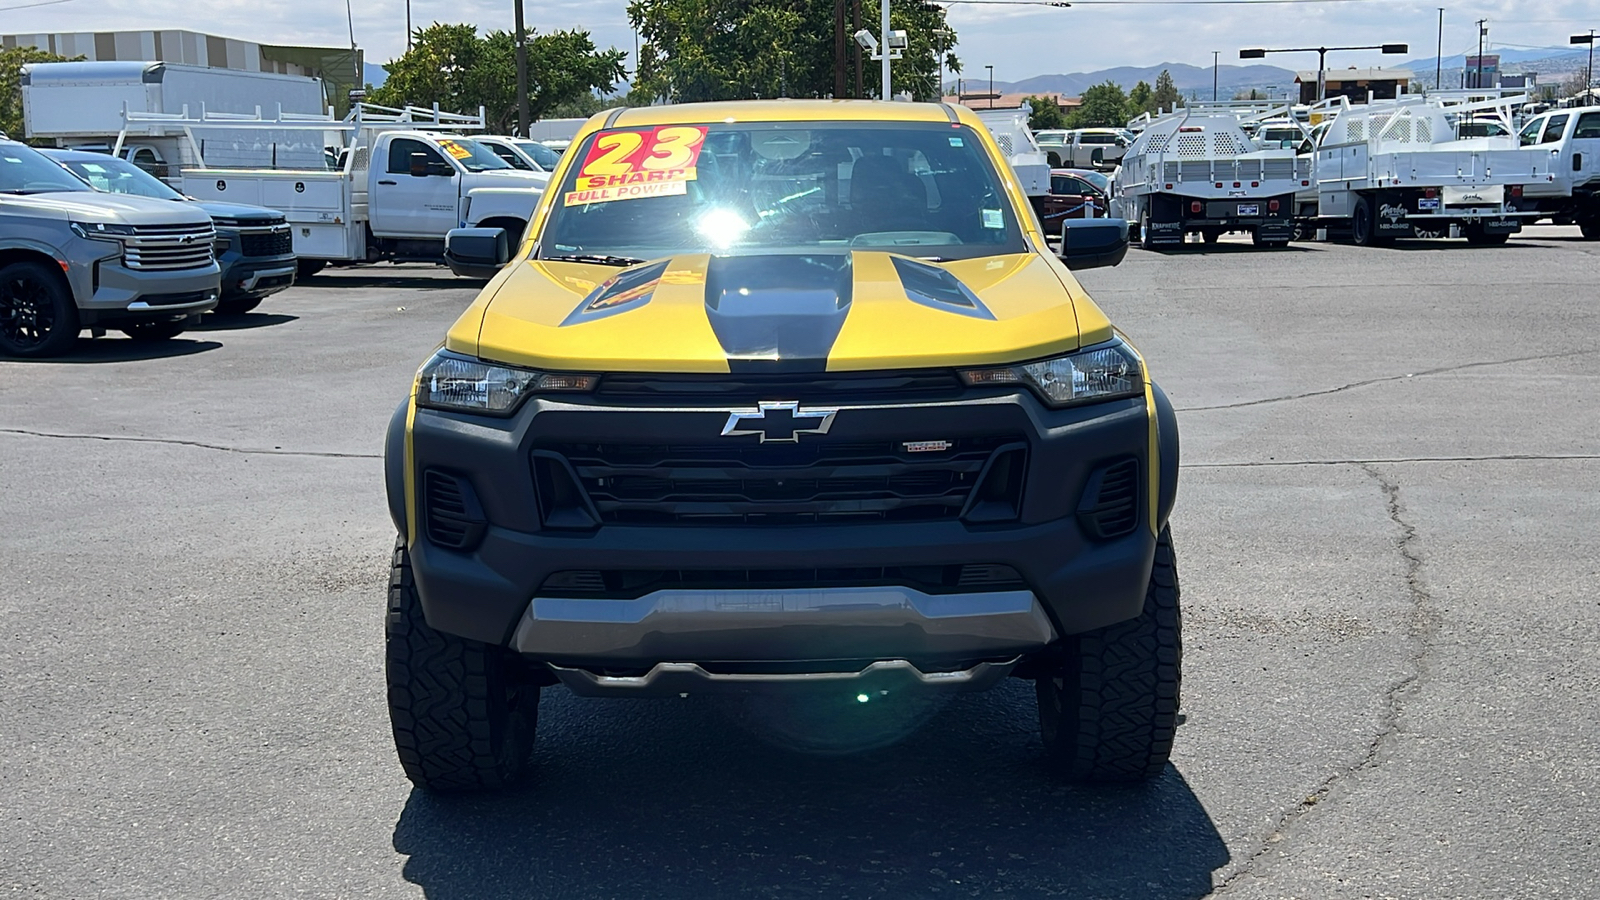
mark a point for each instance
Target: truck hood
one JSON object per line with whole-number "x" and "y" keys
{"x": 123, "y": 209}
{"x": 848, "y": 311}
{"x": 244, "y": 212}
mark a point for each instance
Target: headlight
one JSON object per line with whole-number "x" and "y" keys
{"x": 1105, "y": 372}
{"x": 450, "y": 381}
{"x": 101, "y": 231}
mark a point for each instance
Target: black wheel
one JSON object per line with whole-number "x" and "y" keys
{"x": 1590, "y": 228}
{"x": 306, "y": 268}
{"x": 1362, "y": 224}
{"x": 462, "y": 720}
{"x": 155, "y": 331}
{"x": 1110, "y": 712}
{"x": 1144, "y": 226}
{"x": 235, "y": 306}
{"x": 37, "y": 315}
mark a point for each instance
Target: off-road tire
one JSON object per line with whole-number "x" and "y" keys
{"x": 37, "y": 316}
{"x": 1110, "y": 711}
{"x": 155, "y": 331}
{"x": 461, "y": 719}
{"x": 237, "y": 306}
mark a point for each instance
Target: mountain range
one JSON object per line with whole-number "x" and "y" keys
{"x": 1196, "y": 80}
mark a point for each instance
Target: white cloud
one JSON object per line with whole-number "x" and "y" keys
{"x": 1020, "y": 41}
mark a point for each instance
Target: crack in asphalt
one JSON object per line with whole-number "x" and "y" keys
{"x": 1490, "y": 457}
{"x": 133, "y": 439}
{"x": 1387, "y": 378}
{"x": 1422, "y": 628}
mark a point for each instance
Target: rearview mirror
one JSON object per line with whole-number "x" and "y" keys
{"x": 476, "y": 252}
{"x": 1092, "y": 243}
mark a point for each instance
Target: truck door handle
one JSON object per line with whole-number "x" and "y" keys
{"x": 387, "y": 182}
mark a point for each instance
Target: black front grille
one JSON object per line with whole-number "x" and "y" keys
{"x": 914, "y": 384}
{"x": 1110, "y": 506}
{"x": 176, "y": 299}
{"x": 275, "y": 243}
{"x": 813, "y": 481}
{"x": 627, "y": 584}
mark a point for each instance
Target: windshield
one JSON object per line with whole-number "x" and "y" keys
{"x": 544, "y": 156}
{"x": 473, "y": 156}
{"x": 921, "y": 189}
{"x": 118, "y": 176}
{"x": 24, "y": 170}
{"x": 1098, "y": 179}
{"x": 1051, "y": 138}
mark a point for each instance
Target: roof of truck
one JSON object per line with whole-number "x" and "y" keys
{"x": 783, "y": 111}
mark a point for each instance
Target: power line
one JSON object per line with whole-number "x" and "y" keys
{"x": 32, "y": 5}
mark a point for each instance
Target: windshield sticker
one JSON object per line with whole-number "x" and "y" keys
{"x": 957, "y": 142}
{"x": 628, "y": 165}
{"x": 992, "y": 219}
{"x": 454, "y": 148}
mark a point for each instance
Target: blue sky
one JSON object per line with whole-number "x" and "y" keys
{"x": 1020, "y": 41}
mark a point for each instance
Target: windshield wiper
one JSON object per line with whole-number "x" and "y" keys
{"x": 598, "y": 259}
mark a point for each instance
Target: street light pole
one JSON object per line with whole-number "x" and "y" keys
{"x": 1215, "y": 55}
{"x": 884, "y": 35}
{"x": 1322, "y": 58}
{"x": 991, "y": 86}
{"x": 1482, "y": 33}
{"x": 408, "y": 26}
{"x": 1438, "y": 53}
{"x": 1588, "y": 78}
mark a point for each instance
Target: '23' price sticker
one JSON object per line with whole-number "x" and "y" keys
{"x": 628, "y": 165}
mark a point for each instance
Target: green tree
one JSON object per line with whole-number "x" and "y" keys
{"x": 716, "y": 50}
{"x": 1165, "y": 95}
{"x": 1104, "y": 106}
{"x": 1141, "y": 100}
{"x": 1046, "y": 114}
{"x": 12, "y": 59}
{"x": 1251, "y": 94}
{"x": 453, "y": 66}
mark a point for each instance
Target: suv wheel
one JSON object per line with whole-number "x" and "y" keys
{"x": 37, "y": 315}
{"x": 1110, "y": 711}
{"x": 155, "y": 331}
{"x": 462, "y": 720}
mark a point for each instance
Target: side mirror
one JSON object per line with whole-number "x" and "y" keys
{"x": 476, "y": 252}
{"x": 419, "y": 165}
{"x": 1092, "y": 243}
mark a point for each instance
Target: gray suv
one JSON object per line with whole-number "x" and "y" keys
{"x": 73, "y": 258}
{"x": 254, "y": 245}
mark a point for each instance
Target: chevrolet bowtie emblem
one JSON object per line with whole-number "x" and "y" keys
{"x": 781, "y": 421}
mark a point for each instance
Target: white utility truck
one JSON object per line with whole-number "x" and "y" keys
{"x": 79, "y": 105}
{"x": 1572, "y": 195}
{"x": 1195, "y": 171}
{"x": 408, "y": 177}
{"x": 1390, "y": 169}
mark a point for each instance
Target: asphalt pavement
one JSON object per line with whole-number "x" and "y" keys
{"x": 1386, "y": 541}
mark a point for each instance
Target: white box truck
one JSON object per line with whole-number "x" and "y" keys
{"x": 80, "y": 105}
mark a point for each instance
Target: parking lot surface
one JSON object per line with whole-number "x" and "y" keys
{"x": 1386, "y": 531}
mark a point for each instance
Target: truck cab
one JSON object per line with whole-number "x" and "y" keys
{"x": 1572, "y": 195}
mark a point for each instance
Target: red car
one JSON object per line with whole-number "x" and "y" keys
{"x": 1074, "y": 194}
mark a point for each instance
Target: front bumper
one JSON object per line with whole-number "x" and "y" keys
{"x": 498, "y": 590}
{"x": 253, "y": 277}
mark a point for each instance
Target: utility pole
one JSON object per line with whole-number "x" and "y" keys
{"x": 1215, "y": 55}
{"x": 408, "y": 26}
{"x": 523, "y": 114}
{"x": 856, "y": 26}
{"x": 1438, "y": 54}
{"x": 1483, "y": 32}
{"x": 838, "y": 49}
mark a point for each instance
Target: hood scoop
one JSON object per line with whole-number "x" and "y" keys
{"x": 778, "y": 313}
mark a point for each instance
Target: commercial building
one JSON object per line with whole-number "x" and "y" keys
{"x": 339, "y": 67}
{"x": 1357, "y": 84}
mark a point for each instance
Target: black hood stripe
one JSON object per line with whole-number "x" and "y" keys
{"x": 778, "y": 313}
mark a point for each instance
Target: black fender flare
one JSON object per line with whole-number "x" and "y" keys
{"x": 394, "y": 465}
{"x": 1167, "y": 448}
